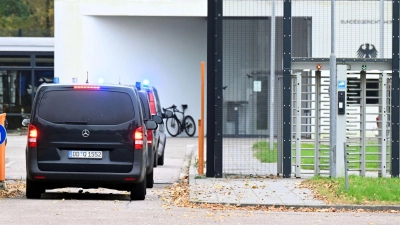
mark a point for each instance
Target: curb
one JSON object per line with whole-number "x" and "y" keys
{"x": 187, "y": 160}
{"x": 338, "y": 207}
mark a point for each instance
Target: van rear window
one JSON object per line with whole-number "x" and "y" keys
{"x": 86, "y": 107}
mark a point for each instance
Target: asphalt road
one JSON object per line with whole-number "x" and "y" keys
{"x": 117, "y": 209}
{"x": 103, "y": 206}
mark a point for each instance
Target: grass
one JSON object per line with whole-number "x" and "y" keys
{"x": 263, "y": 153}
{"x": 361, "y": 190}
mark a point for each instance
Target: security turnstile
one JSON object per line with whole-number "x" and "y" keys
{"x": 367, "y": 122}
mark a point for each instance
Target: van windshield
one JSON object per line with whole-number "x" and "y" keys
{"x": 86, "y": 107}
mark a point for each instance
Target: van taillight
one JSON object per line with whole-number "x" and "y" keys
{"x": 149, "y": 137}
{"x": 138, "y": 136}
{"x": 152, "y": 104}
{"x": 32, "y": 136}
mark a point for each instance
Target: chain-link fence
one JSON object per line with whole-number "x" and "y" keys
{"x": 252, "y": 47}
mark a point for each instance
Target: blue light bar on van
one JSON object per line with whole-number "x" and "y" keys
{"x": 146, "y": 83}
{"x": 86, "y": 87}
{"x": 138, "y": 85}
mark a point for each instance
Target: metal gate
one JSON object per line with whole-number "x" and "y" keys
{"x": 367, "y": 108}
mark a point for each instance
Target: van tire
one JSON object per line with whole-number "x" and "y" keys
{"x": 33, "y": 190}
{"x": 138, "y": 191}
{"x": 161, "y": 159}
{"x": 150, "y": 179}
{"x": 155, "y": 164}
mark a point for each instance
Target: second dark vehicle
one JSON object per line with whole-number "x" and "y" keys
{"x": 151, "y": 139}
{"x": 156, "y": 109}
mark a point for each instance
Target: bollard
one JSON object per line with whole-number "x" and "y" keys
{"x": 201, "y": 121}
{"x": 2, "y": 154}
{"x": 201, "y": 148}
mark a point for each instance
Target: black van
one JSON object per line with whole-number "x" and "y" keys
{"x": 87, "y": 136}
{"x": 151, "y": 141}
{"x": 159, "y": 133}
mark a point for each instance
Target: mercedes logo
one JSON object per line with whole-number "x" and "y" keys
{"x": 85, "y": 133}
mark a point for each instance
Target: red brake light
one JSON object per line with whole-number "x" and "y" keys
{"x": 149, "y": 137}
{"x": 86, "y": 87}
{"x": 138, "y": 137}
{"x": 32, "y": 136}
{"x": 152, "y": 104}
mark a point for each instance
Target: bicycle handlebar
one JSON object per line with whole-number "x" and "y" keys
{"x": 174, "y": 108}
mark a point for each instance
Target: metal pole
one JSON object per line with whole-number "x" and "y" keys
{"x": 332, "y": 88}
{"x": 286, "y": 91}
{"x": 363, "y": 120}
{"x": 298, "y": 124}
{"x": 3, "y": 157}
{"x": 381, "y": 28}
{"x": 218, "y": 85}
{"x": 272, "y": 80}
{"x": 346, "y": 176}
{"x": 394, "y": 161}
{"x": 317, "y": 122}
{"x": 211, "y": 63}
{"x": 201, "y": 123}
{"x": 383, "y": 130}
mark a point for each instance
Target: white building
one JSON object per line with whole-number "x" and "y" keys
{"x": 125, "y": 41}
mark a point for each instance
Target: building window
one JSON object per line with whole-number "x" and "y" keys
{"x": 20, "y": 76}
{"x": 15, "y": 60}
{"x": 44, "y": 61}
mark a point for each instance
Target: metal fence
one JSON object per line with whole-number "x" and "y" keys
{"x": 250, "y": 62}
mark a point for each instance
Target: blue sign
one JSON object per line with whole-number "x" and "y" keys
{"x": 3, "y": 134}
{"x": 341, "y": 84}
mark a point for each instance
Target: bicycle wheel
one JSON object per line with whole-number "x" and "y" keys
{"x": 172, "y": 126}
{"x": 190, "y": 126}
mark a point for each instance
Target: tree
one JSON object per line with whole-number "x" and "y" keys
{"x": 30, "y": 18}
{"x": 16, "y": 8}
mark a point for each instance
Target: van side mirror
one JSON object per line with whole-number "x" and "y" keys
{"x": 25, "y": 122}
{"x": 150, "y": 125}
{"x": 157, "y": 119}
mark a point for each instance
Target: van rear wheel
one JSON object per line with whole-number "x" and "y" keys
{"x": 150, "y": 179}
{"x": 33, "y": 189}
{"x": 161, "y": 160}
{"x": 138, "y": 191}
{"x": 155, "y": 163}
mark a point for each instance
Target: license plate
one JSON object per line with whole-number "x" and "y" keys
{"x": 85, "y": 154}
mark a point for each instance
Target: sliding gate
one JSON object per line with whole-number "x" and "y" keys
{"x": 367, "y": 125}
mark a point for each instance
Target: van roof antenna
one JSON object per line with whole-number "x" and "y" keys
{"x": 119, "y": 80}
{"x": 87, "y": 77}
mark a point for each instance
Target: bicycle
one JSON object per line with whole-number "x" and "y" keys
{"x": 176, "y": 126}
